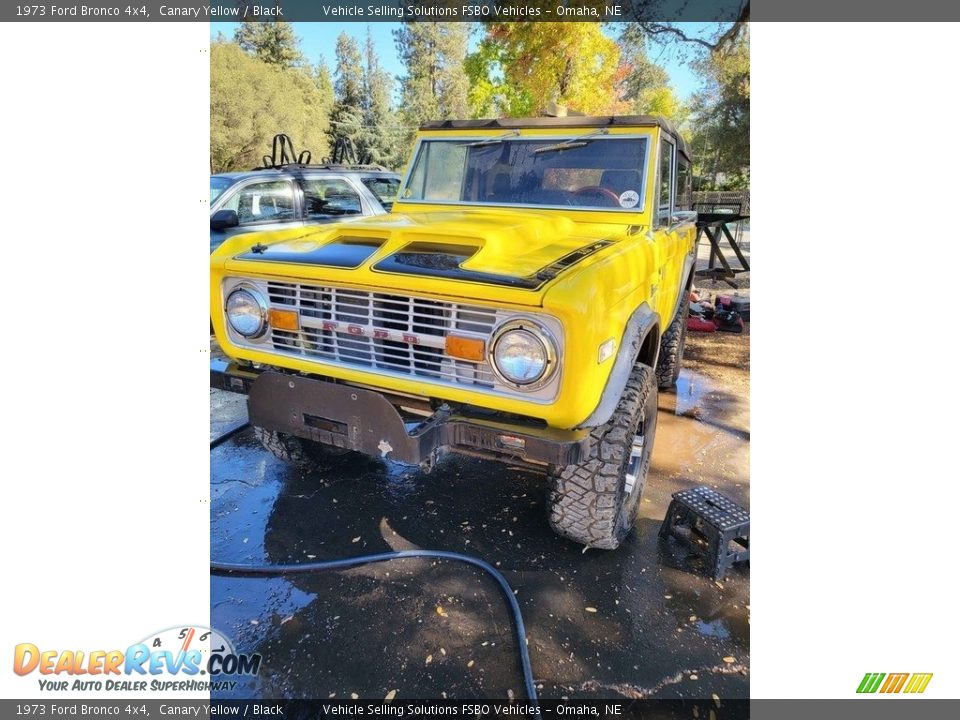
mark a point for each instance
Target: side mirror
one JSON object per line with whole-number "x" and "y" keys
{"x": 223, "y": 219}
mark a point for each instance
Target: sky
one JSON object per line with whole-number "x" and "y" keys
{"x": 319, "y": 39}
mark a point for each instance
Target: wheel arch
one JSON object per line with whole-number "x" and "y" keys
{"x": 640, "y": 344}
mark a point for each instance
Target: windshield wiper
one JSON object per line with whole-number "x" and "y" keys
{"x": 579, "y": 141}
{"x": 492, "y": 141}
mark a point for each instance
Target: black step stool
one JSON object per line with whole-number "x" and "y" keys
{"x": 712, "y": 525}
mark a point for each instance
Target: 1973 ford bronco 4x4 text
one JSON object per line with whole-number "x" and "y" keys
{"x": 522, "y": 302}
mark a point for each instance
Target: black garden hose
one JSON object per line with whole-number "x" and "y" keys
{"x": 219, "y": 568}
{"x": 217, "y": 442}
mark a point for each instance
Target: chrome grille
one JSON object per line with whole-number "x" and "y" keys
{"x": 380, "y": 331}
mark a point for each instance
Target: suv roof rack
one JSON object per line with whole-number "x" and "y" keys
{"x": 285, "y": 158}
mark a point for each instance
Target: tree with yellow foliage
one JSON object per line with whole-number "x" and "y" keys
{"x": 520, "y": 68}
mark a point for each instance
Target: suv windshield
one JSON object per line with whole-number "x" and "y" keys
{"x": 218, "y": 185}
{"x": 385, "y": 189}
{"x": 579, "y": 171}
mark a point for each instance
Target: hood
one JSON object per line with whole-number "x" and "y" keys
{"x": 478, "y": 251}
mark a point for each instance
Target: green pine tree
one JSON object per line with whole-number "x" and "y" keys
{"x": 273, "y": 42}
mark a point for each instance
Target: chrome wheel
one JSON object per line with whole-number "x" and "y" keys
{"x": 634, "y": 464}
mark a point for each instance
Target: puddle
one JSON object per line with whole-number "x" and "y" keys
{"x": 371, "y": 629}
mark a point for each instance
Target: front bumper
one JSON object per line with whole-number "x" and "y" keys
{"x": 366, "y": 421}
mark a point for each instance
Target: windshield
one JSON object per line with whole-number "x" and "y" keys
{"x": 579, "y": 171}
{"x": 217, "y": 186}
{"x": 384, "y": 188}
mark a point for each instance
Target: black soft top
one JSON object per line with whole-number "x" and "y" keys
{"x": 572, "y": 121}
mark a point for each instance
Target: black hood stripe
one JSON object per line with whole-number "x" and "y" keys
{"x": 344, "y": 252}
{"x": 430, "y": 260}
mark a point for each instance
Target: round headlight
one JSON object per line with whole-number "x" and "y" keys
{"x": 523, "y": 354}
{"x": 247, "y": 312}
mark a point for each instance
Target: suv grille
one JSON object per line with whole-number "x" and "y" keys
{"x": 399, "y": 334}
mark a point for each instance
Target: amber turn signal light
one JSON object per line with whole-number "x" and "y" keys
{"x": 465, "y": 348}
{"x": 284, "y": 320}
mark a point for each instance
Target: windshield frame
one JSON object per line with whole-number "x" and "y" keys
{"x": 553, "y": 139}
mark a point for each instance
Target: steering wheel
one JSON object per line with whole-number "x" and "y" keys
{"x": 597, "y": 190}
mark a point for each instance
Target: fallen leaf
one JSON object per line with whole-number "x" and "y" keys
{"x": 429, "y": 659}
{"x": 357, "y": 538}
{"x": 693, "y": 618}
{"x": 442, "y": 651}
{"x": 354, "y": 696}
{"x": 591, "y": 609}
{"x": 694, "y": 677}
{"x": 470, "y": 664}
{"x": 391, "y": 695}
{"x": 729, "y": 659}
{"x": 716, "y": 699}
{"x": 441, "y": 612}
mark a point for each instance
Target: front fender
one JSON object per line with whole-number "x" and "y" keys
{"x": 637, "y": 332}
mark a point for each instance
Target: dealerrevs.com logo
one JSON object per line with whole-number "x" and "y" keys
{"x": 911, "y": 683}
{"x": 182, "y": 659}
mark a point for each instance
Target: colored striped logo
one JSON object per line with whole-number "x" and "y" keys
{"x": 894, "y": 682}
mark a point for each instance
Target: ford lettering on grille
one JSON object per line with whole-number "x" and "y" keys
{"x": 380, "y": 331}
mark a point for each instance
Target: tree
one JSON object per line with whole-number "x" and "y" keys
{"x": 721, "y": 114}
{"x": 252, "y": 100}
{"x": 645, "y": 86}
{"x": 324, "y": 82}
{"x": 381, "y": 140}
{"x": 568, "y": 63}
{"x": 435, "y": 85}
{"x": 727, "y": 36}
{"x": 346, "y": 119}
{"x": 273, "y": 42}
{"x": 490, "y": 94}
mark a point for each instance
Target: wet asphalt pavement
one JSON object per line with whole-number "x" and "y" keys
{"x": 639, "y": 622}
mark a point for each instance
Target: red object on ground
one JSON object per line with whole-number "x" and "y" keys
{"x": 698, "y": 324}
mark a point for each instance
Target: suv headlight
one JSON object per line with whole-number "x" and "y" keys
{"x": 247, "y": 312}
{"x": 523, "y": 354}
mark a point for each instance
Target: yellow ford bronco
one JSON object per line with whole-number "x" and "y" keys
{"x": 522, "y": 302}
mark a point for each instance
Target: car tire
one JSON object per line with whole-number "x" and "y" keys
{"x": 672, "y": 344}
{"x": 294, "y": 450}
{"x": 595, "y": 501}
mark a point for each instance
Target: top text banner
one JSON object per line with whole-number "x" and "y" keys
{"x": 380, "y": 11}
{"x": 481, "y": 11}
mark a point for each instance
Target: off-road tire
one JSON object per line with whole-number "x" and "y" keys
{"x": 672, "y": 343}
{"x": 292, "y": 449}
{"x": 587, "y": 502}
